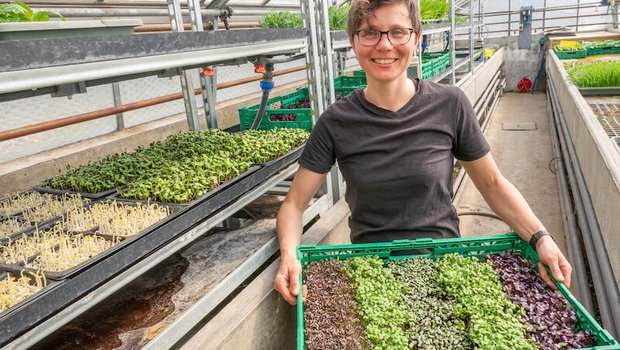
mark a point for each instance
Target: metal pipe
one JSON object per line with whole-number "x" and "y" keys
{"x": 149, "y": 28}
{"x": 552, "y": 27}
{"x": 574, "y": 246}
{"x": 145, "y": 12}
{"x": 79, "y": 118}
{"x": 598, "y": 258}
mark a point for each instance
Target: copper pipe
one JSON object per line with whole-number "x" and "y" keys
{"x": 106, "y": 112}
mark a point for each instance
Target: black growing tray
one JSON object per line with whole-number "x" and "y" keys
{"x": 16, "y": 234}
{"x": 35, "y": 311}
{"x": 15, "y": 308}
{"x": 43, "y": 189}
{"x": 207, "y": 195}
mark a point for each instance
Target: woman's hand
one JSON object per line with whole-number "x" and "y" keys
{"x": 287, "y": 279}
{"x": 550, "y": 255}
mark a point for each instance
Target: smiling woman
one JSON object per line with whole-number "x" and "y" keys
{"x": 395, "y": 142}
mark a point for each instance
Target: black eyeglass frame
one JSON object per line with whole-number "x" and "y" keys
{"x": 387, "y": 34}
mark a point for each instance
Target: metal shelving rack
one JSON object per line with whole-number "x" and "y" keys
{"x": 37, "y": 67}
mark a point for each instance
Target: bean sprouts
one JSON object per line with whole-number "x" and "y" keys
{"x": 18, "y": 203}
{"x": 11, "y": 226}
{"x": 70, "y": 252}
{"x": 13, "y": 290}
{"x": 53, "y": 208}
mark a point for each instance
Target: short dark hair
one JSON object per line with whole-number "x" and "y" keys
{"x": 361, "y": 10}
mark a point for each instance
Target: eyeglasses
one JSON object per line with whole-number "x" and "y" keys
{"x": 396, "y": 36}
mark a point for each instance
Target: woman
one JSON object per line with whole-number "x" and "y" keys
{"x": 395, "y": 141}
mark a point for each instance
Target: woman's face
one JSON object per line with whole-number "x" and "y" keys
{"x": 385, "y": 61}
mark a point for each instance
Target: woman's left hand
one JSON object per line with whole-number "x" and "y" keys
{"x": 550, "y": 255}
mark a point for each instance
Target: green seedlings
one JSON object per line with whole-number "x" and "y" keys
{"x": 433, "y": 324}
{"x": 17, "y": 11}
{"x": 595, "y": 74}
{"x": 495, "y": 322}
{"x": 381, "y": 301}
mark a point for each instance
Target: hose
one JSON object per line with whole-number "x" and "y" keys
{"x": 266, "y": 85}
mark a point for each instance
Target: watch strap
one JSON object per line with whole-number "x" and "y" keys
{"x": 536, "y": 236}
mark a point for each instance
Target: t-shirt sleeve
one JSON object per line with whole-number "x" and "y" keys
{"x": 319, "y": 155}
{"x": 470, "y": 143}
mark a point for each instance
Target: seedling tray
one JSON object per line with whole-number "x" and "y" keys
{"x": 16, "y": 233}
{"x": 70, "y": 290}
{"x": 600, "y": 91}
{"x": 43, "y": 189}
{"x": 223, "y": 185}
{"x": 50, "y": 285}
{"x": 478, "y": 247}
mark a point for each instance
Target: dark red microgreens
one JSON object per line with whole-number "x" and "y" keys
{"x": 331, "y": 317}
{"x": 553, "y": 321}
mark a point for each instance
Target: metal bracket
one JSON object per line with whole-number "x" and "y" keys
{"x": 69, "y": 89}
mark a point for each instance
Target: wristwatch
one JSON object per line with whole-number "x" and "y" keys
{"x": 538, "y": 235}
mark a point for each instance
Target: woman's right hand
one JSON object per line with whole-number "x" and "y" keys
{"x": 287, "y": 279}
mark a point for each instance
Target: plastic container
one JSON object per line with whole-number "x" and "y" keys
{"x": 570, "y": 54}
{"x": 300, "y": 118}
{"x": 354, "y": 81}
{"x": 475, "y": 246}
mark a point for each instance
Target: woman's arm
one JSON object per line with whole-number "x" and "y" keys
{"x": 289, "y": 225}
{"x": 508, "y": 203}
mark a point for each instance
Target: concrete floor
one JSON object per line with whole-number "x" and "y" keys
{"x": 518, "y": 133}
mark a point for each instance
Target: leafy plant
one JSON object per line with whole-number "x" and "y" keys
{"x": 18, "y": 11}
{"x": 595, "y": 74}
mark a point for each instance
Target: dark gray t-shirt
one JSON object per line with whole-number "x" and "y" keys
{"x": 398, "y": 165}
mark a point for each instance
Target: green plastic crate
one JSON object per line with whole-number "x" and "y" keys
{"x": 346, "y": 81}
{"x": 359, "y": 73}
{"x": 474, "y": 246}
{"x": 595, "y": 51}
{"x": 570, "y": 54}
{"x": 303, "y": 116}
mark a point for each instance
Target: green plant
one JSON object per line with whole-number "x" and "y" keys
{"x": 338, "y": 17}
{"x": 595, "y": 74}
{"x": 381, "y": 302}
{"x": 433, "y": 9}
{"x": 281, "y": 20}
{"x": 18, "y": 11}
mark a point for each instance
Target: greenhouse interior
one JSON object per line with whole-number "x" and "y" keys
{"x": 177, "y": 128}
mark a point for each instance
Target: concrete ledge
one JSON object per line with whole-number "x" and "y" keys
{"x": 259, "y": 318}
{"x": 598, "y": 158}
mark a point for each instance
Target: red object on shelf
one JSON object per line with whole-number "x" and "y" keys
{"x": 260, "y": 69}
{"x": 207, "y": 72}
{"x": 524, "y": 85}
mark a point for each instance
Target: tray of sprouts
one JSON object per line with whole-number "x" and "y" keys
{"x": 18, "y": 288}
{"x": 98, "y": 195}
{"x": 12, "y": 205}
{"x": 53, "y": 208}
{"x": 13, "y": 227}
{"x": 113, "y": 218}
{"x": 56, "y": 252}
